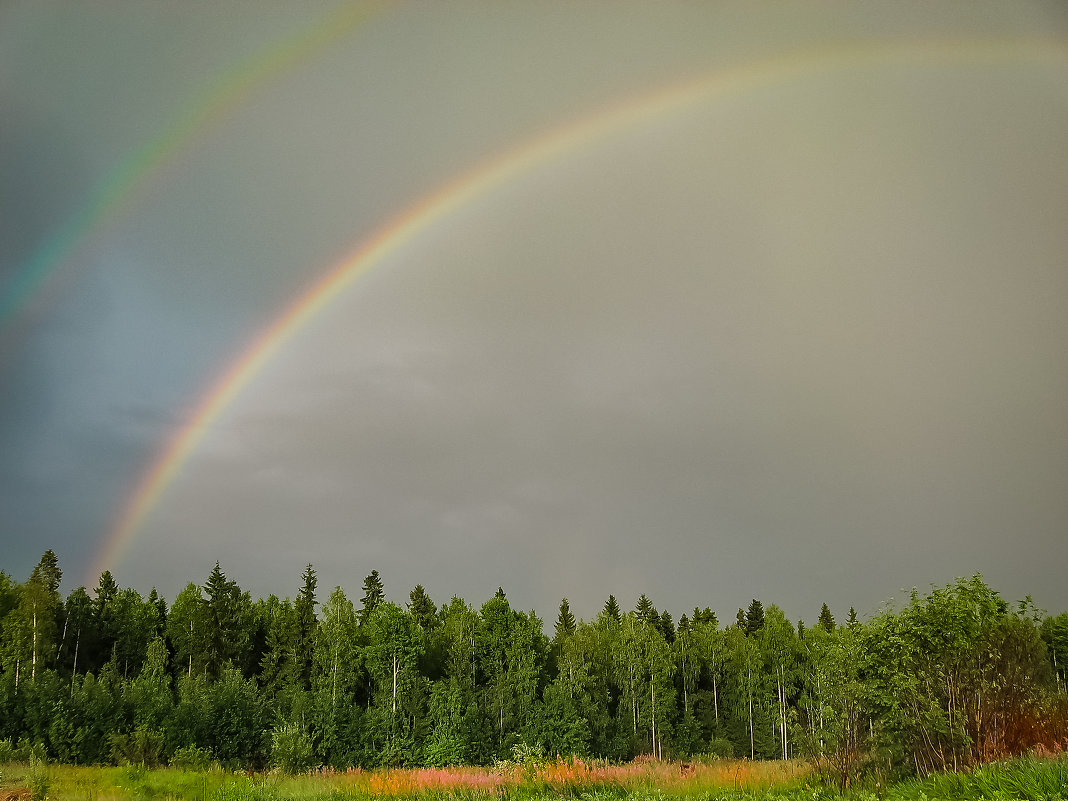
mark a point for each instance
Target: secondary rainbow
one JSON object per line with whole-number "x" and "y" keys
{"x": 119, "y": 187}
{"x": 512, "y": 165}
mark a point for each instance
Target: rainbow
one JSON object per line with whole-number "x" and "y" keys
{"x": 510, "y": 166}
{"x": 118, "y": 188}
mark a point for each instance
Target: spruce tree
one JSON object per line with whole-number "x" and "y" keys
{"x": 106, "y": 590}
{"x": 611, "y": 608}
{"x": 304, "y": 614}
{"x": 826, "y": 620}
{"x": 754, "y": 618}
{"x": 373, "y": 594}
{"x": 228, "y": 619}
{"x": 423, "y": 610}
{"x": 666, "y": 626}
{"x": 565, "y": 621}
{"x": 47, "y": 572}
{"x": 646, "y": 612}
{"x": 705, "y": 615}
{"x": 160, "y": 607}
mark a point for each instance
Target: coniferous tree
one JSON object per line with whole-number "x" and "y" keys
{"x": 705, "y": 615}
{"x": 102, "y": 647}
{"x": 160, "y": 613}
{"x": 279, "y": 674}
{"x": 754, "y": 618}
{"x": 666, "y": 626}
{"x": 565, "y": 621}
{"x": 611, "y": 608}
{"x": 646, "y": 612}
{"x": 423, "y": 610}
{"x": 373, "y": 595}
{"x": 304, "y": 617}
{"x": 826, "y": 620}
{"x": 47, "y": 572}
{"x": 228, "y": 619}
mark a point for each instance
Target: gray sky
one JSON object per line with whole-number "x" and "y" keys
{"x": 800, "y": 339}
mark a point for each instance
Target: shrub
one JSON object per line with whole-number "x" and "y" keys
{"x": 190, "y": 757}
{"x": 291, "y": 748}
{"x": 143, "y": 746}
{"x": 38, "y": 779}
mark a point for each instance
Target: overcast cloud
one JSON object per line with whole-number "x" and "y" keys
{"x": 803, "y": 342}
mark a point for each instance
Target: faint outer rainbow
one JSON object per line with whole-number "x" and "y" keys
{"x": 496, "y": 172}
{"x": 117, "y": 188}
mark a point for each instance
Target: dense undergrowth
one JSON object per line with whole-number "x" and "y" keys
{"x": 1028, "y": 778}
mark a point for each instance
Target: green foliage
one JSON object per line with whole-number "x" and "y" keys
{"x": 754, "y": 617}
{"x": 39, "y": 779}
{"x": 291, "y": 748}
{"x": 422, "y": 609}
{"x": 143, "y": 746}
{"x": 191, "y": 757}
{"x": 953, "y": 679}
{"x": 611, "y": 608}
{"x": 826, "y": 619}
{"x": 565, "y": 620}
{"x": 373, "y": 594}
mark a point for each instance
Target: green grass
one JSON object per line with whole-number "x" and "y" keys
{"x": 1027, "y": 779}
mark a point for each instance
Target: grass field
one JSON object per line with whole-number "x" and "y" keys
{"x": 1026, "y": 778}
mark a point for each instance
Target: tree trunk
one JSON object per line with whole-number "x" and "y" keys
{"x": 74, "y": 673}
{"x": 63, "y": 637}
{"x": 333, "y": 681}
{"x": 715, "y": 697}
{"x": 652, "y": 709}
{"x": 819, "y": 693}
{"x": 33, "y": 666}
{"x": 752, "y": 744}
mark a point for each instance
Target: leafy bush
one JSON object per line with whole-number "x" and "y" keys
{"x": 291, "y": 748}
{"x": 526, "y": 755}
{"x": 29, "y": 752}
{"x": 7, "y": 752}
{"x": 143, "y": 746}
{"x": 38, "y": 779}
{"x": 190, "y": 757}
{"x": 720, "y": 748}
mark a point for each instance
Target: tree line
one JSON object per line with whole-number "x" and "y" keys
{"x": 952, "y": 678}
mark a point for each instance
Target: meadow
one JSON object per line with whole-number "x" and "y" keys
{"x": 1030, "y": 777}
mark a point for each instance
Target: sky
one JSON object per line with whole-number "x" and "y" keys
{"x": 710, "y": 302}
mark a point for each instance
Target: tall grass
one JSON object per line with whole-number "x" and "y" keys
{"x": 1028, "y": 779}
{"x": 591, "y": 781}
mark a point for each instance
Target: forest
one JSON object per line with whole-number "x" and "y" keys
{"x": 953, "y": 678}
